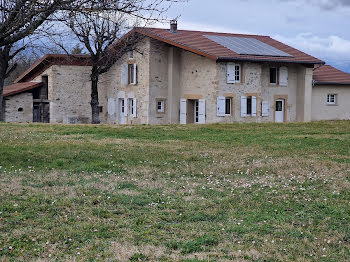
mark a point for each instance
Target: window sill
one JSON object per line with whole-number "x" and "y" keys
{"x": 332, "y": 104}
{"x": 237, "y": 83}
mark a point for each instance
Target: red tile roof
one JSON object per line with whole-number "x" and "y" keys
{"x": 20, "y": 87}
{"x": 52, "y": 59}
{"x": 329, "y": 75}
{"x": 195, "y": 41}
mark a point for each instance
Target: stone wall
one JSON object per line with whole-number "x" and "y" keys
{"x": 19, "y": 108}
{"x": 116, "y": 90}
{"x": 322, "y": 111}
{"x": 159, "y": 81}
{"x": 69, "y": 93}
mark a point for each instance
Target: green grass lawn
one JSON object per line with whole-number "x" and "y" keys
{"x": 240, "y": 192}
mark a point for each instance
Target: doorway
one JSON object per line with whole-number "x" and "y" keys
{"x": 122, "y": 108}
{"x": 279, "y": 113}
{"x": 196, "y": 111}
{"x": 192, "y": 111}
{"x": 41, "y": 112}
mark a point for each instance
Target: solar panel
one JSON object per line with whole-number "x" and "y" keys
{"x": 247, "y": 46}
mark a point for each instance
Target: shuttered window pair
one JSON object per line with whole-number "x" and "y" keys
{"x": 279, "y": 76}
{"x": 224, "y": 106}
{"x": 248, "y": 106}
{"x": 234, "y": 73}
{"x": 129, "y": 74}
{"x": 127, "y": 105}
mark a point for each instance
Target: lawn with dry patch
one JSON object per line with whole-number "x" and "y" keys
{"x": 239, "y": 192}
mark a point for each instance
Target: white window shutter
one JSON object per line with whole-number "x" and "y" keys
{"x": 183, "y": 111}
{"x": 221, "y": 106}
{"x": 134, "y": 108}
{"x": 125, "y": 107}
{"x": 265, "y": 108}
{"x": 135, "y": 74}
{"x": 253, "y": 105}
{"x": 230, "y": 72}
{"x": 243, "y": 106}
{"x": 111, "y": 106}
{"x": 283, "y": 76}
{"x": 201, "y": 113}
{"x": 124, "y": 75}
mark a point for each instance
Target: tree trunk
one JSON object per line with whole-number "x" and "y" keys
{"x": 94, "y": 96}
{"x": 4, "y": 64}
{"x": 2, "y": 109}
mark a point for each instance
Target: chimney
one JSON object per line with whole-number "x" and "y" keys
{"x": 173, "y": 26}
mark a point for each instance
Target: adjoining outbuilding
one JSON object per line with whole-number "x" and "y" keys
{"x": 330, "y": 94}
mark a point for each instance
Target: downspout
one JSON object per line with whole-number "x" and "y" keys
{"x": 313, "y": 81}
{"x": 318, "y": 67}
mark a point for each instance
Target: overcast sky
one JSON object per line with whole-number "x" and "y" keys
{"x": 318, "y": 27}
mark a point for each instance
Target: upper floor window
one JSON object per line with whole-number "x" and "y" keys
{"x": 331, "y": 99}
{"x": 131, "y": 54}
{"x": 132, "y": 74}
{"x": 273, "y": 75}
{"x": 278, "y": 76}
{"x": 234, "y": 73}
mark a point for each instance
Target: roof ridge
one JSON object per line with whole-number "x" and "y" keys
{"x": 204, "y": 32}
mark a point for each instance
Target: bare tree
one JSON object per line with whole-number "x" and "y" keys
{"x": 20, "y": 19}
{"x": 99, "y": 31}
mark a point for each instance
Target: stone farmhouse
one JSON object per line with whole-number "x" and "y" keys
{"x": 179, "y": 76}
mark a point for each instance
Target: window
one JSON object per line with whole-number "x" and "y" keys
{"x": 196, "y": 111}
{"x": 228, "y": 103}
{"x": 122, "y": 105}
{"x": 131, "y": 54}
{"x": 249, "y": 105}
{"x": 100, "y": 109}
{"x": 20, "y": 109}
{"x": 331, "y": 99}
{"x": 233, "y": 73}
{"x": 131, "y": 106}
{"x": 160, "y": 106}
{"x": 132, "y": 73}
{"x": 237, "y": 73}
{"x": 273, "y": 75}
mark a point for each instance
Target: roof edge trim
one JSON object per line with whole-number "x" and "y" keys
{"x": 228, "y": 59}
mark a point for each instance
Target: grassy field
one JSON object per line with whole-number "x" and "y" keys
{"x": 240, "y": 192}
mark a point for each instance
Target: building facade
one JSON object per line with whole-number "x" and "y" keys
{"x": 185, "y": 77}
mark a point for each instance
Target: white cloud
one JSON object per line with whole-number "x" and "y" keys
{"x": 333, "y": 49}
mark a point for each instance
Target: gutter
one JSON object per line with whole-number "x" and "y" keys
{"x": 331, "y": 83}
{"x": 228, "y": 59}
